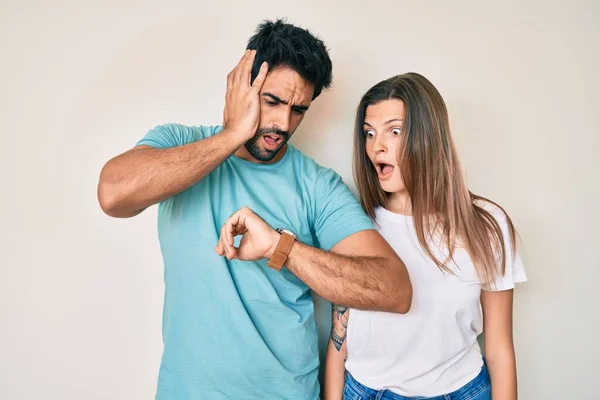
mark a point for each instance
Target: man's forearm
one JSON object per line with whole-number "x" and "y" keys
{"x": 145, "y": 176}
{"x": 371, "y": 283}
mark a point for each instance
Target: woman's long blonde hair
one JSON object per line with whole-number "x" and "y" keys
{"x": 433, "y": 178}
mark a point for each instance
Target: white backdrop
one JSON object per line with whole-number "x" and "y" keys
{"x": 81, "y": 293}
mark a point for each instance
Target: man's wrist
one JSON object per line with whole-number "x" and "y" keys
{"x": 235, "y": 137}
{"x": 274, "y": 240}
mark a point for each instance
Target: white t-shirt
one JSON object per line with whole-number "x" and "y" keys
{"x": 432, "y": 349}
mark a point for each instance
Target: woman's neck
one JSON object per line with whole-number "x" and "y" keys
{"x": 399, "y": 203}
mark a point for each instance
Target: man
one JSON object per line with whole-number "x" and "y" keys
{"x": 238, "y": 318}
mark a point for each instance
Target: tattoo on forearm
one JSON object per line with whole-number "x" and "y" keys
{"x": 339, "y": 325}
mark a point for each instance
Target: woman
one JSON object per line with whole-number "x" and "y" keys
{"x": 459, "y": 251}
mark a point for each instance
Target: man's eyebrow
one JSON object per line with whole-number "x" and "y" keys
{"x": 300, "y": 107}
{"x": 277, "y": 99}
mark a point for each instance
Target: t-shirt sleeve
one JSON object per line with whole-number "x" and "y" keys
{"x": 515, "y": 270}
{"x": 174, "y": 135}
{"x": 338, "y": 213}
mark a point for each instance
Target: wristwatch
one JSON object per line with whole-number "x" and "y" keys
{"x": 282, "y": 251}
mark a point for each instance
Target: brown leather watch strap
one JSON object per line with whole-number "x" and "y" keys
{"x": 282, "y": 251}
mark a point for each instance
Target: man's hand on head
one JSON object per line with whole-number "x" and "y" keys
{"x": 259, "y": 240}
{"x": 242, "y": 100}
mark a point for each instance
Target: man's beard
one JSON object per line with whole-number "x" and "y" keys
{"x": 262, "y": 154}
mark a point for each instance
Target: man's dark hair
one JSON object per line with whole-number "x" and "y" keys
{"x": 284, "y": 45}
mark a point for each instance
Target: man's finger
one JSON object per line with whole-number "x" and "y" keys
{"x": 246, "y": 69}
{"x": 227, "y": 246}
{"x": 238, "y": 75}
{"x": 224, "y": 251}
{"x": 229, "y": 231}
{"x": 242, "y": 58}
{"x": 223, "y": 239}
{"x": 235, "y": 225}
{"x": 246, "y": 73}
{"x": 260, "y": 78}
{"x": 229, "y": 84}
{"x": 219, "y": 247}
{"x": 230, "y": 251}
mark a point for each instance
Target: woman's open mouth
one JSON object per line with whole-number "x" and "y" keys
{"x": 384, "y": 170}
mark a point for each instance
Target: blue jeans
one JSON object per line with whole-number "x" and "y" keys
{"x": 478, "y": 389}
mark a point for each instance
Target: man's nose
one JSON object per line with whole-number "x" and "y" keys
{"x": 282, "y": 120}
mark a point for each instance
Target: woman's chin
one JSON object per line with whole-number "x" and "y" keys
{"x": 391, "y": 187}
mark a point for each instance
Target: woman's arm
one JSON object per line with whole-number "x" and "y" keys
{"x": 499, "y": 348}
{"x": 336, "y": 354}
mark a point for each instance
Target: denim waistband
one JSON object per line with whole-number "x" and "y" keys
{"x": 482, "y": 379}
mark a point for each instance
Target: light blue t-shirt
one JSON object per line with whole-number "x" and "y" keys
{"x": 238, "y": 329}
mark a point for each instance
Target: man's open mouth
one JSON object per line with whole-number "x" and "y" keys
{"x": 272, "y": 139}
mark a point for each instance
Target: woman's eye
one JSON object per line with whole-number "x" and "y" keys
{"x": 396, "y": 131}
{"x": 271, "y": 103}
{"x": 370, "y": 133}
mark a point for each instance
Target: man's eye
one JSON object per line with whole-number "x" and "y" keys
{"x": 271, "y": 102}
